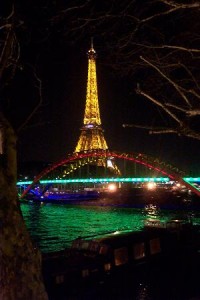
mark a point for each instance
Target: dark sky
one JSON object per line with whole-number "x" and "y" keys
{"x": 64, "y": 90}
{"x": 61, "y": 63}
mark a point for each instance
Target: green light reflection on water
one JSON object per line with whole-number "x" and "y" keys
{"x": 53, "y": 227}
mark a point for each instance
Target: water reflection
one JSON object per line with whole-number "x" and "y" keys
{"x": 53, "y": 227}
{"x": 142, "y": 292}
{"x": 152, "y": 210}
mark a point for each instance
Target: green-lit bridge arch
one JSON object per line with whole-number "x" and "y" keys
{"x": 161, "y": 167}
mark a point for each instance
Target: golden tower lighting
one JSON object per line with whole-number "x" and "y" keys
{"x": 92, "y": 137}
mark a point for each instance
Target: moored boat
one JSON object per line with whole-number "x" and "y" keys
{"x": 64, "y": 198}
{"x": 97, "y": 260}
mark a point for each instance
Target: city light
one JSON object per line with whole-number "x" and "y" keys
{"x": 104, "y": 180}
{"x": 151, "y": 185}
{"x": 112, "y": 187}
{"x": 101, "y": 180}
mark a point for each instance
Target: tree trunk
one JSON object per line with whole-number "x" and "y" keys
{"x": 20, "y": 261}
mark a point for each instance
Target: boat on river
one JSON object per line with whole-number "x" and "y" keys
{"x": 97, "y": 260}
{"x": 149, "y": 200}
{"x": 64, "y": 197}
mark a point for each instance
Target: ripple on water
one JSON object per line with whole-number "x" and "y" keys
{"x": 53, "y": 227}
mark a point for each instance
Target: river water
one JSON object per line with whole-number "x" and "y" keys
{"x": 53, "y": 227}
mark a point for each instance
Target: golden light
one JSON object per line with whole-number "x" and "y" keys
{"x": 151, "y": 185}
{"x": 112, "y": 187}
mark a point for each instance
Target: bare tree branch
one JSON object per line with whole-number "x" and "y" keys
{"x": 158, "y": 103}
{"x": 176, "y": 86}
{"x": 39, "y": 102}
{"x": 180, "y": 108}
{"x": 176, "y": 4}
{"x": 175, "y": 47}
{"x": 194, "y": 112}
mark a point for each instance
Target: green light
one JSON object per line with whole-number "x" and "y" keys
{"x": 23, "y": 182}
{"x": 117, "y": 179}
{"x": 192, "y": 179}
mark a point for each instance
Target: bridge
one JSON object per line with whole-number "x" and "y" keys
{"x": 109, "y": 179}
{"x": 80, "y": 159}
{"x": 92, "y": 148}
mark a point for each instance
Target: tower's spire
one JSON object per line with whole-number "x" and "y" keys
{"x": 91, "y": 52}
{"x": 92, "y": 113}
{"x": 92, "y": 46}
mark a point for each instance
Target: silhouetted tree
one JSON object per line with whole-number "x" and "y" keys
{"x": 20, "y": 260}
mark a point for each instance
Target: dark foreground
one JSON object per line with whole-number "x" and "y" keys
{"x": 156, "y": 263}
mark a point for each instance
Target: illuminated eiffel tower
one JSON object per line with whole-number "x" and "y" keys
{"x": 92, "y": 137}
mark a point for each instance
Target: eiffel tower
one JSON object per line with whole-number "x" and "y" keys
{"x": 92, "y": 136}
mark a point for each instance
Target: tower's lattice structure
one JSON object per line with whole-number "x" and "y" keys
{"x": 92, "y": 135}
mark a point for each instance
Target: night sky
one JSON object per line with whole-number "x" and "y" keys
{"x": 61, "y": 63}
{"x": 65, "y": 76}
